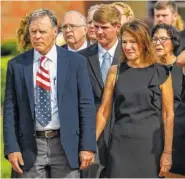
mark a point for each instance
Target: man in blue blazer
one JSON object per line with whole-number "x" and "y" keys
{"x": 49, "y": 113}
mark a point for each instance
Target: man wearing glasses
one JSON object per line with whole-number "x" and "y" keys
{"x": 100, "y": 56}
{"x": 74, "y": 29}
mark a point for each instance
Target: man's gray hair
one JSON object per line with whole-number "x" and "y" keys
{"x": 80, "y": 15}
{"x": 93, "y": 7}
{"x": 42, "y": 13}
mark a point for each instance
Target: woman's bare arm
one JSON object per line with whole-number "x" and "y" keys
{"x": 167, "y": 113}
{"x": 168, "y": 121}
{"x": 105, "y": 108}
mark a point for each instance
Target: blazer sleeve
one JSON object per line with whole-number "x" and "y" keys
{"x": 10, "y": 116}
{"x": 87, "y": 112}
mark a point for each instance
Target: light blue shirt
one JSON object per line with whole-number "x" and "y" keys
{"x": 52, "y": 64}
{"x": 102, "y": 51}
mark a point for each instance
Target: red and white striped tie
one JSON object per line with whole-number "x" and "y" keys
{"x": 42, "y": 78}
{"x": 43, "y": 98}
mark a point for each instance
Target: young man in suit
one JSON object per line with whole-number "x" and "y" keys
{"x": 49, "y": 115}
{"x": 100, "y": 56}
{"x": 165, "y": 12}
{"x": 74, "y": 29}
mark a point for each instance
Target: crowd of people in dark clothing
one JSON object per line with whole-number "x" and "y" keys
{"x": 137, "y": 78}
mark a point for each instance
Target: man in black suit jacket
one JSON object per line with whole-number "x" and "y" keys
{"x": 53, "y": 81}
{"x": 182, "y": 38}
{"x": 74, "y": 28}
{"x": 181, "y": 51}
{"x": 182, "y": 41}
{"x": 107, "y": 25}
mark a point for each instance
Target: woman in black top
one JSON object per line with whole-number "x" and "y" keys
{"x": 179, "y": 130}
{"x": 137, "y": 147}
{"x": 166, "y": 41}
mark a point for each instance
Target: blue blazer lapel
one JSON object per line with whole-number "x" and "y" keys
{"x": 61, "y": 73}
{"x": 28, "y": 75}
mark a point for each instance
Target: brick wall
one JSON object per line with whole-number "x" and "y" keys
{"x": 13, "y": 11}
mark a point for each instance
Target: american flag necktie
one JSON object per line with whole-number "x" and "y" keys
{"x": 43, "y": 98}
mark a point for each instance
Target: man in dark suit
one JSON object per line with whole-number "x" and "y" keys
{"x": 181, "y": 50}
{"x": 49, "y": 113}
{"x": 182, "y": 41}
{"x": 100, "y": 57}
{"x": 165, "y": 12}
{"x": 74, "y": 29}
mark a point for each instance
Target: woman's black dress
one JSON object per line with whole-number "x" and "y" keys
{"x": 136, "y": 141}
{"x": 179, "y": 135}
{"x": 177, "y": 75}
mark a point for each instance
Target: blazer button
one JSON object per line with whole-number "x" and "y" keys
{"x": 34, "y": 135}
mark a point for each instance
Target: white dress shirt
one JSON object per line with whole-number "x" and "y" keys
{"x": 52, "y": 63}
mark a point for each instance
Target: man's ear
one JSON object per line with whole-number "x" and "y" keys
{"x": 118, "y": 26}
{"x": 55, "y": 32}
{"x": 85, "y": 28}
{"x": 175, "y": 17}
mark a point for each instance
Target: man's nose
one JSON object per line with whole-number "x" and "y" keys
{"x": 68, "y": 29}
{"x": 160, "y": 19}
{"x": 99, "y": 30}
{"x": 37, "y": 35}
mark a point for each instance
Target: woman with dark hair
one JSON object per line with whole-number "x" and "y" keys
{"x": 166, "y": 41}
{"x": 141, "y": 142}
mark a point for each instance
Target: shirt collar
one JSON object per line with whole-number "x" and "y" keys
{"x": 81, "y": 48}
{"x": 51, "y": 55}
{"x": 111, "y": 51}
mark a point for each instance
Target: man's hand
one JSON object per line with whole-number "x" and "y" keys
{"x": 15, "y": 159}
{"x": 86, "y": 158}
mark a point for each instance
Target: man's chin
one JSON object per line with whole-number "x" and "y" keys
{"x": 39, "y": 49}
{"x": 102, "y": 42}
{"x": 70, "y": 41}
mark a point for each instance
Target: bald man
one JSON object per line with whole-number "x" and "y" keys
{"x": 74, "y": 28}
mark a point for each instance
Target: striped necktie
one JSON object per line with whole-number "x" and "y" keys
{"x": 43, "y": 97}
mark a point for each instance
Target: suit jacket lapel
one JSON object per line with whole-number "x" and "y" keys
{"x": 28, "y": 75}
{"x": 117, "y": 55}
{"x": 95, "y": 65}
{"x": 61, "y": 73}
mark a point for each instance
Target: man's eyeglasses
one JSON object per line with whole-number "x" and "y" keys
{"x": 71, "y": 27}
{"x": 161, "y": 39}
